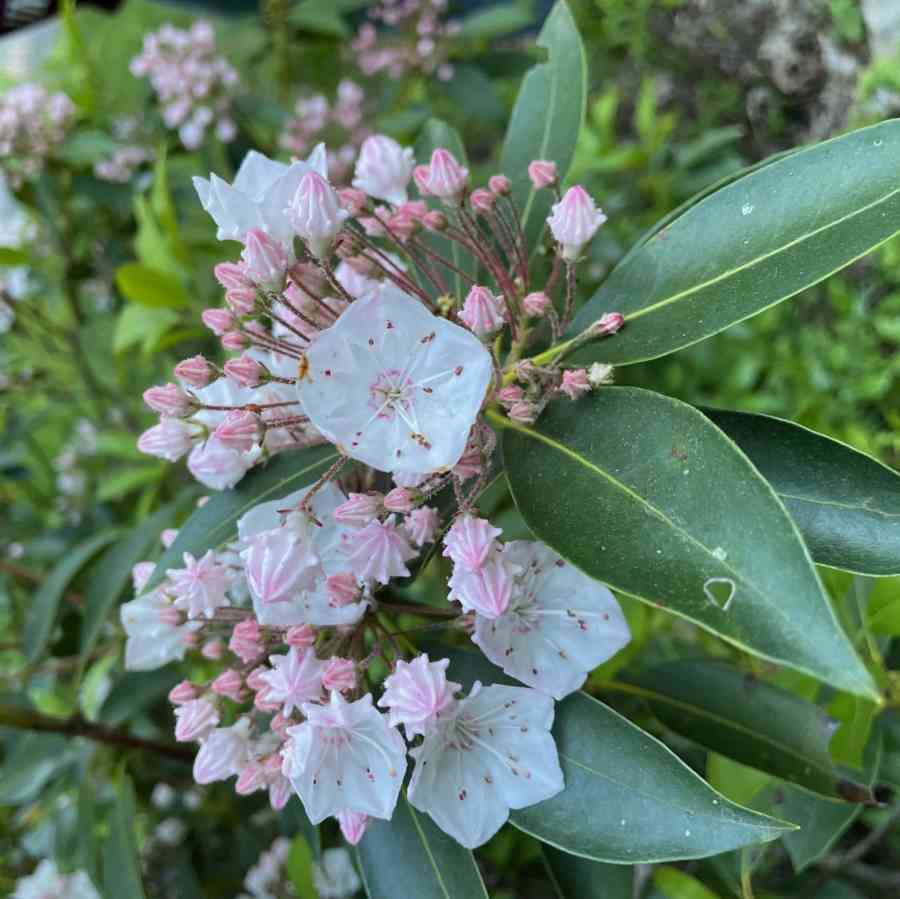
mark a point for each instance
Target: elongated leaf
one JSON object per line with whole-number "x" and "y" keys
{"x": 112, "y": 572}
{"x": 494, "y": 21}
{"x": 410, "y": 856}
{"x": 628, "y": 798}
{"x": 671, "y": 883}
{"x": 580, "y": 878}
{"x": 754, "y": 243}
{"x": 121, "y": 869}
{"x": 748, "y": 720}
{"x": 216, "y": 521}
{"x": 148, "y": 286}
{"x": 31, "y": 762}
{"x": 547, "y": 116}
{"x": 45, "y": 605}
{"x": 644, "y": 493}
{"x": 846, "y": 504}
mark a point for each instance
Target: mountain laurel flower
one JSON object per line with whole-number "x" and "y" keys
{"x": 444, "y": 177}
{"x": 343, "y": 589}
{"x": 169, "y": 400}
{"x": 334, "y": 876}
{"x": 316, "y": 214}
{"x": 244, "y": 371}
{"x": 339, "y": 674}
{"x": 559, "y": 625}
{"x": 219, "y": 321}
{"x": 140, "y": 574}
{"x": 400, "y": 499}
{"x": 536, "y": 304}
{"x": 353, "y": 200}
{"x": 195, "y": 720}
{"x": 492, "y": 753}
{"x": 256, "y": 198}
{"x": 353, "y": 825}
{"x": 154, "y": 637}
{"x": 233, "y": 275}
{"x": 218, "y": 467}
{"x": 201, "y": 586}
{"x": 223, "y": 753}
{"x": 234, "y": 341}
{"x": 395, "y": 386}
{"x": 574, "y": 220}
{"x": 421, "y": 525}
{"x": 510, "y": 395}
{"x": 359, "y": 509}
{"x": 195, "y": 371}
{"x": 46, "y": 882}
{"x": 168, "y": 440}
{"x": 345, "y": 756}
{"x": 486, "y": 590}
{"x": 575, "y": 383}
{"x": 246, "y": 641}
{"x": 542, "y": 173}
{"x": 470, "y": 541}
{"x": 241, "y": 300}
{"x": 277, "y": 564}
{"x": 608, "y": 323}
{"x": 229, "y": 684}
{"x": 383, "y": 169}
{"x": 500, "y": 185}
{"x": 266, "y": 260}
{"x": 523, "y": 412}
{"x": 482, "y": 311}
{"x": 240, "y": 430}
{"x": 295, "y": 678}
{"x": 379, "y": 551}
{"x": 184, "y": 691}
{"x": 482, "y": 200}
{"x": 417, "y": 694}
{"x": 434, "y": 220}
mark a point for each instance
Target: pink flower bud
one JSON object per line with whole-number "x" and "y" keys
{"x": 170, "y": 616}
{"x": 168, "y": 440}
{"x": 301, "y": 636}
{"x": 252, "y": 777}
{"x": 500, "y": 185}
{"x": 315, "y": 213}
{"x": 575, "y": 383}
{"x": 183, "y": 692}
{"x": 167, "y": 537}
{"x": 542, "y": 173}
{"x": 353, "y": 825}
{"x": 482, "y": 312}
{"x": 169, "y": 400}
{"x": 400, "y": 499}
{"x": 217, "y": 320}
{"x": 343, "y": 589}
{"x": 417, "y": 694}
{"x": 574, "y": 220}
{"x": 256, "y": 679}
{"x": 536, "y": 304}
{"x": 232, "y": 275}
{"x": 482, "y": 200}
{"x": 229, "y": 684}
{"x": 213, "y": 650}
{"x": 470, "y": 463}
{"x": 446, "y": 178}
{"x": 195, "y": 720}
{"x": 379, "y": 551}
{"x": 608, "y": 323}
{"x": 241, "y": 300}
{"x": 240, "y": 430}
{"x": 359, "y": 509}
{"x": 434, "y": 220}
{"x": 524, "y": 413}
{"x": 245, "y": 371}
{"x": 140, "y": 574}
{"x": 420, "y": 176}
{"x": 470, "y": 540}
{"x": 265, "y": 259}
{"x": 339, "y": 674}
{"x": 510, "y": 394}
{"x": 245, "y": 640}
{"x": 235, "y": 341}
{"x": 353, "y": 200}
{"x": 404, "y": 223}
{"x": 195, "y": 371}
{"x": 421, "y": 524}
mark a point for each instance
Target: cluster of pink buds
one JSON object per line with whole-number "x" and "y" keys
{"x": 415, "y": 39}
{"x": 339, "y": 123}
{"x": 121, "y": 166}
{"x": 194, "y": 86}
{"x": 33, "y": 122}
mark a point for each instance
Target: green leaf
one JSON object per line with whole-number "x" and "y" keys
{"x": 121, "y": 868}
{"x": 148, "y": 287}
{"x": 580, "y": 878}
{"x": 410, "y": 856}
{"x": 32, "y": 761}
{"x": 628, "y": 799}
{"x": 300, "y": 868}
{"x": 746, "y": 719}
{"x": 495, "y": 21}
{"x": 87, "y": 146}
{"x": 127, "y": 480}
{"x": 216, "y": 521}
{"x": 319, "y": 17}
{"x": 112, "y": 574}
{"x": 646, "y": 494}
{"x": 135, "y": 692}
{"x": 13, "y": 256}
{"x": 750, "y": 245}
{"x": 45, "y": 604}
{"x": 846, "y": 504}
{"x": 547, "y": 116}
{"x": 138, "y": 324}
{"x": 670, "y": 883}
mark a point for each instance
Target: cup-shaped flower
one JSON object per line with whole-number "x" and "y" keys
{"x": 418, "y": 694}
{"x": 219, "y": 467}
{"x": 379, "y": 551}
{"x": 316, "y": 214}
{"x": 195, "y": 720}
{"x": 383, "y": 169}
{"x": 278, "y": 563}
{"x": 574, "y": 220}
{"x": 488, "y": 589}
{"x": 295, "y": 678}
{"x": 395, "y": 386}
{"x": 470, "y": 541}
{"x": 223, "y": 753}
{"x": 154, "y": 637}
{"x": 168, "y": 440}
{"x": 200, "y": 587}
{"x": 559, "y": 624}
{"x": 492, "y": 754}
{"x": 345, "y": 756}
{"x": 444, "y": 178}
{"x": 265, "y": 259}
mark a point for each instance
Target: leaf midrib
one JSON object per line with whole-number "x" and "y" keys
{"x": 850, "y": 507}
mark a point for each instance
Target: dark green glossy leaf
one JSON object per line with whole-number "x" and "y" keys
{"x": 547, "y": 116}
{"x": 580, "y": 878}
{"x": 134, "y": 692}
{"x": 628, "y": 798}
{"x": 846, "y": 504}
{"x": 410, "y": 856}
{"x": 752, "y": 244}
{"x": 644, "y": 493}
{"x": 109, "y": 577}
{"x": 300, "y": 868}
{"x": 755, "y": 723}
{"x": 45, "y": 604}
{"x": 216, "y": 521}
{"x": 147, "y": 286}
{"x": 495, "y": 21}
{"x": 32, "y": 762}
{"x": 121, "y": 868}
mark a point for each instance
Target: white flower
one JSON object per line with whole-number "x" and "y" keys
{"x": 384, "y": 168}
{"x": 334, "y": 875}
{"x": 155, "y": 636}
{"x": 296, "y": 678}
{"x": 223, "y": 753}
{"x": 47, "y": 883}
{"x": 258, "y": 196}
{"x": 200, "y": 586}
{"x": 395, "y": 386}
{"x": 559, "y": 624}
{"x": 345, "y": 756}
{"x": 219, "y": 467}
{"x": 495, "y": 754}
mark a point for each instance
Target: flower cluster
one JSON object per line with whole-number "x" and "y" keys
{"x": 333, "y": 875}
{"x": 33, "y": 121}
{"x": 193, "y": 84}
{"x": 415, "y": 39}
{"x": 349, "y": 333}
{"x": 46, "y": 882}
{"x": 341, "y": 123}
{"x": 122, "y": 164}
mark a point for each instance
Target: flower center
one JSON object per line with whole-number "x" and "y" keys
{"x": 391, "y": 392}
